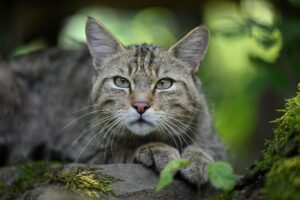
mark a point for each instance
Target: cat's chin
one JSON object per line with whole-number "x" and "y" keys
{"x": 141, "y": 128}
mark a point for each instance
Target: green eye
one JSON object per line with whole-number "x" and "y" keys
{"x": 121, "y": 82}
{"x": 164, "y": 83}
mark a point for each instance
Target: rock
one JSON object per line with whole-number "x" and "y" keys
{"x": 140, "y": 182}
{"x": 131, "y": 181}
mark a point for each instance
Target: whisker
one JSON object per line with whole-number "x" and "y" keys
{"x": 87, "y": 129}
{"x": 81, "y": 152}
{"x": 115, "y": 132}
{"x": 169, "y": 133}
{"x": 95, "y": 124}
{"x": 173, "y": 117}
{"x": 81, "y": 109}
{"x": 97, "y": 134}
{"x": 82, "y": 116}
{"x": 75, "y": 120}
{"x": 202, "y": 111}
{"x": 187, "y": 135}
{"x": 176, "y": 134}
{"x": 107, "y": 132}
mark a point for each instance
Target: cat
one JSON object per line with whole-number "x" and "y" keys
{"x": 140, "y": 103}
{"x": 150, "y": 105}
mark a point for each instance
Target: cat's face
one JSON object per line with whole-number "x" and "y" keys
{"x": 144, "y": 88}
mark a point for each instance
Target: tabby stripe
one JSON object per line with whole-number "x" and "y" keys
{"x": 101, "y": 85}
{"x": 187, "y": 90}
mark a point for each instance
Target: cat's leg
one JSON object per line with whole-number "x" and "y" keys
{"x": 196, "y": 172}
{"x": 156, "y": 154}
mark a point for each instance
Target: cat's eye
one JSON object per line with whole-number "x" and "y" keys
{"x": 164, "y": 83}
{"x": 121, "y": 82}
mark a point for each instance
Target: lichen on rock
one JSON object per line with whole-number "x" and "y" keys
{"x": 88, "y": 182}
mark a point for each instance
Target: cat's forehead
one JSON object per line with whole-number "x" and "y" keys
{"x": 143, "y": 58}
{"x": 146, "y": 64}
{"x": 147, "y": 61}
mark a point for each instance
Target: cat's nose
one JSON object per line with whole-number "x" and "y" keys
{"x": 141, "y": 106}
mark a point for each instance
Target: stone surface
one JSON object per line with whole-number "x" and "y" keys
{"x": 140, "y": 182}
{"x": 135, "y": 182}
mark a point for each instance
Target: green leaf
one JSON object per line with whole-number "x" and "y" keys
{"x": 167, "y": 174}
{"x": 220, "y": 175}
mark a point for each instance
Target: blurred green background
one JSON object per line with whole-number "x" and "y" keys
{"x": 252, "y": 64}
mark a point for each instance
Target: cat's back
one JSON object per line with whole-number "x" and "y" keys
{"x": 39, "y": 94}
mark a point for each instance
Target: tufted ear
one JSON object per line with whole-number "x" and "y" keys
{"x": 192, "y": 47}
{"x": 101, "y": 42}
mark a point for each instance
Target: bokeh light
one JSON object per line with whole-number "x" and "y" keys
{"x": 239, "y": 33}
{"x": 151, "y": 25}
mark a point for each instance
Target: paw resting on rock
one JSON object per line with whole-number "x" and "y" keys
{"x": 196, "y": 172}
{"x": 156, "y": 154}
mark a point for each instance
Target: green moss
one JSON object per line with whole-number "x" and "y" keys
{"x": 87, "y": 182}
{"x": 29, "y": 174}
{"x": 277, "y": 174}
{"x": 287, "y": 136}
{"x": 283, "y": 180}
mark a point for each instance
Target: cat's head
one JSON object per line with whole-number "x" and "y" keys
{"x": 144, "y": 88}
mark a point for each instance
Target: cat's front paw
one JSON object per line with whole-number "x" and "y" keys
{"x": 156, "y": 154}
{"x": 196, "y": 172}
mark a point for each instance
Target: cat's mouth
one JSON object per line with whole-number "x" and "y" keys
{"x": 141, "y": 121}
{"x": 141, "y": 126}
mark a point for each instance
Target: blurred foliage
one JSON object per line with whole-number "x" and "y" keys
{"x": 295, "y": 2}
{"x": 29, "y": 47}
{"x": 151, "y": 25}
{"x": 241, "y": 37}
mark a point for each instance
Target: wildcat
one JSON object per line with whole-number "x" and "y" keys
{"x": 146, "y": 105}
{"x": 149, "y": 102}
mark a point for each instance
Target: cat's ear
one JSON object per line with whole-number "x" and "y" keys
{"x": 192, "y": 47}
{"x": 101, "y": 42}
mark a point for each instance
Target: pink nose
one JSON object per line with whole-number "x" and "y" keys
{"x": 141, "y": 106}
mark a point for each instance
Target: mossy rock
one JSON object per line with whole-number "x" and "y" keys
{"x": 283, "y": 180}
{"x": 82, "y": 181}
{"x": 87, "y": 182}
{"x": 277, "y": 174}
{"x": 26, "y": 177}
{"x": 287, "y": 136}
